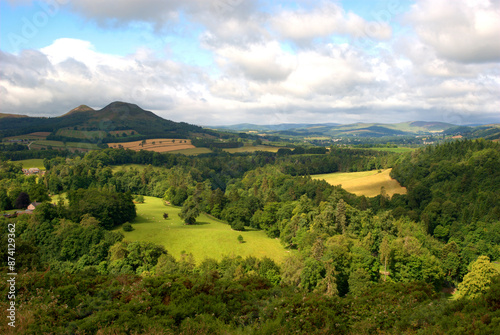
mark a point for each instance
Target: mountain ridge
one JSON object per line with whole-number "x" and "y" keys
{"x": 115, "y": 117}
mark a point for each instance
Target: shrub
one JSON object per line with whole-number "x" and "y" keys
{"x": 127, "y": 227}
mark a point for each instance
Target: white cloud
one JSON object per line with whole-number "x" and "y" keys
{"x": 325, "y": 20}
{"x": 260, "y": 62}
{"x": 70, "y": 72}
{"x": 463, "y": 31}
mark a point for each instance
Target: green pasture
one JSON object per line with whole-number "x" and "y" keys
{"x": 210, "y": 238}
{"x": 191, "y": 151}
{"x": 32, "y": 163}
{"x": 59, "y": 144}
{"x": 83, "y": 134}
{"x": 252, "y": 149}
{"x": 398, "y": 150}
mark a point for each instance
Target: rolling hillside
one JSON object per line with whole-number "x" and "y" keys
{"x": 117, "y": 122}
{"x": 347, "y": 130}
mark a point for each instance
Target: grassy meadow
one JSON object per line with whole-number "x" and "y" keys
{"x": 252, "y": 149}
{"x": 83, "y": 134}
{"x": 398, "y": 150}
{"x": 32, "y": 163}
{"x": 40, "y": 135}
{"x": 210, "y": 238}
{"x": 367, "y": 183}
{"x": 192, "y": 151}
{"x": 60, "y": 144}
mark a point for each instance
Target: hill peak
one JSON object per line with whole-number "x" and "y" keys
{"x": 121, "y": 110}
{"x": 121, "y": 105}
{"x": 79, "y": 109}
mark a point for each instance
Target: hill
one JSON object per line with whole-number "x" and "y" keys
{"x": 4, "y": 115}
{"x": 271, "y": 127}
{"x": 81, "y": 108}
{"x": 346, "y": 130}
{"x": 118, "y": 121}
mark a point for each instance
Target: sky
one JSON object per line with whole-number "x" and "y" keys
{"x": 220, "y": 62}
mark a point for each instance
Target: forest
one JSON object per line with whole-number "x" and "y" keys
{"x": 357, "y": 265}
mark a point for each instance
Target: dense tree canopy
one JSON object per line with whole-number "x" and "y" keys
{"x": 357, "y": 265}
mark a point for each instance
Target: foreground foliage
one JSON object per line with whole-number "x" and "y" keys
{"x": 360, "y": 265}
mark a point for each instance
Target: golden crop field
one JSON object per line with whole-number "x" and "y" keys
{"x": 157, "y": 144}
{"x": 367, "y": 183}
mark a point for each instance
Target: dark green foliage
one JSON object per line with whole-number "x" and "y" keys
{"x": 127, "y": 226}
{"x": 361, "y": 265}
{"x": 190, "y": 211}
{"x": 453, "y": 189}
{"x": 110, "y": 208}
{"x": 5, "y": 202}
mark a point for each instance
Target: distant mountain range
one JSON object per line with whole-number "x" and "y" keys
{"x": 114, "y": 120}
{"x": 276, "y": 127}
{"x": 364, "y": 129}
{"x": 356, "y": 129}
{"x": 121, "y": 121}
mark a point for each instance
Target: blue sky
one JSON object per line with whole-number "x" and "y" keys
{"x": 231, "y": 61}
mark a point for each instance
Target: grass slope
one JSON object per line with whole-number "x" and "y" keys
{"x": 192, "y": 151}
{"x": 252, "y": 149}
{"x": 32, "y": 163}
{"x": 367, "y": 183}
{"x": 208, "y": 239}
{"x": 398, "y": 150}
{"x": 60, "y": 144}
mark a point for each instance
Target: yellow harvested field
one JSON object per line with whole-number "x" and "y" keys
{"x": 157, "y": 144}
{"x": 367, "y": 183}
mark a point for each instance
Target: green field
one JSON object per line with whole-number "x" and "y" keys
{"x": 32, "y": 163}
{"x": 59, "y": 144}
{"x": 252, "y": 149}
{"x": 191, "y": 151}
{"x": 208, "y": 239}
{"x": 83, "y": 134}
{"x": 367, "y": 183}
{"x": 398, "y": 150}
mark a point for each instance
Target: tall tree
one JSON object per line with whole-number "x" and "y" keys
{"x": 340, "y": 216}
{"x": 190, "y": 211}
{"x": 385, "y": 254}
{"x": 478, "y": 279}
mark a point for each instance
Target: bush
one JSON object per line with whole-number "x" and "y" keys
{"x": 127, "y": 227}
